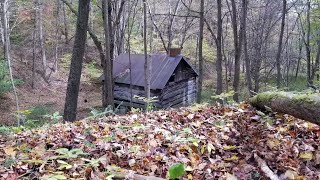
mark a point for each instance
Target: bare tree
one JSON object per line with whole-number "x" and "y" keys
{"x": 171, "y": 21}
{"x": 65, "y": 23}
{"x": 200, "y": 78}
{"x": 147, "y": 64}
{"x": 278, "y": 58}
{"x": 219, "y": 49}
{"x": 307, "y": 44}
{"x": 57, "y": 36}
{"x": 34, "y": 56}
{"x": 6, "y": 34}
{"x": 107, "y": 91}
{"x": 70, "y": 108}
{"x": 315, "y": 68}
{"x": 237, "y": 39}
{"x": 245, "y": 44}
{"x": 41, "y": 36}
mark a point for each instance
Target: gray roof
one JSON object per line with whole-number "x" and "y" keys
{"x": 162, "y": 67}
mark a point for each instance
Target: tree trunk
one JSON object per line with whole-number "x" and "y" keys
{"x": 303, "y": 106}
{"x": 2, "y": 29}
{"x": 41, "y": 37}
{"x": 315, "y": 69}
{"x": 219, "y": 49}
{"x": 7, "y": 49}
{"x": 299, "y": 56}
{"x": 151, "y": 31}
{"x": 34, "y": 56}
{"x": 245, "y": 45}
{"x": 65, "y": 22}
{"x": 107, "y": 92}
{"x": 70, "y": 109}
{"x": 147, "y": 63}
{"x": 57, "y": 36}
{"x": 278, "y": 58}
{"x": 200, "y": 78}
{"x": 237, "y": 54}
{"x": 171, "y": 21}
{"x": 307, "y": 44}
{"x": 158, "y": 30}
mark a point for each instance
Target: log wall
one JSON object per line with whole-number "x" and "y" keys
{"x": 182, "y": 93}
{"x": 122, "y": 95}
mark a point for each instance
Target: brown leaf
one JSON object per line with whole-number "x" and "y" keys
{"x": 10, "y": 151}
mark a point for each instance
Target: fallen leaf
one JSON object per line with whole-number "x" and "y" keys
{"x": 290, "y": 175}
{"x": 210, "y": 148}
{"x": 229, "y": 148}
{"x": 307, "y": 156}
{"x": 201, "y": 166}
{"x": 272, "y": 143}
{"x": 230, "y": 177}
{"x": 10, "y": 151}
{"x": 189, "y": 168}
{"x": 190, "y": 116}
{"x": 132, "y": 162}
{"x": 232, "y": 158}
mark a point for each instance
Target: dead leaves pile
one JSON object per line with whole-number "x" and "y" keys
{"x": 212, "y": 142}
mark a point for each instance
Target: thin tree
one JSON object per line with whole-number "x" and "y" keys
{"x": 245, "y": 45}
{"x": 107, "y": 92}
{"x": 171, "y": 19}
{"x": 200, "y": 78}
{"x": 7, "y": 50}
{"x": 278, "y": 58}
{"x": 65, "y": 23}
{"x": 315, "y": 69}
{"x": 129, "y": 54}
{"x": 219, "y": 49}
{"x": 147, "y": 65}
{"x": 132, "y": 11}
{"x": 41, "y": 36}
{"x": 307, "y": 44}
{"x": 237, "y": 40}
{"x": 57, "y": 36}
{"x": 71, "y": 102}
{"x": 34, "y": 54}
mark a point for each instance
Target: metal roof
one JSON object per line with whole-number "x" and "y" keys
{"x": 162, "y": 67}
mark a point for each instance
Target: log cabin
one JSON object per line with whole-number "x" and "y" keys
{"x": 173, "y": 80}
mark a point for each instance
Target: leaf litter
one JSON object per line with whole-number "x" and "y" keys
{"x": 212, "y": 142}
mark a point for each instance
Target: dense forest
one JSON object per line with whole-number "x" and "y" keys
{"x": 248, "y": 70}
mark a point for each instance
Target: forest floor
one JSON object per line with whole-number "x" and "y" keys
{"x": 50, "y": 95}
{"x": 212, "y": 142}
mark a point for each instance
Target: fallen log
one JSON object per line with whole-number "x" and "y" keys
{"x": 302, "y": 106}
{"x": 134, "y": 176}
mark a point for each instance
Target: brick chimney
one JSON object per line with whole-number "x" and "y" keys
{"x": 173, "y": 52}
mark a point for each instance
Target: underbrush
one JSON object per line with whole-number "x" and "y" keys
{"x": 34, "y": 117}
{"x": 293, "y": 84}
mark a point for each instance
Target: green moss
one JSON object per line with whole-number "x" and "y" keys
{"x": 297, "y": 98}
{"x": 303, "y": 98}
{"x": 264, "y": 97}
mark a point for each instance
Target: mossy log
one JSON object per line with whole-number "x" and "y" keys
{"x": 302, "y": 106}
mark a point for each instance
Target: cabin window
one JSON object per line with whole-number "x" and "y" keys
{"x": 172, "y": 78}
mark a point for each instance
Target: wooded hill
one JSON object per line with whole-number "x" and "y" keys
{"x": 240, "y": 45}
{"x": 55, "y": 51}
